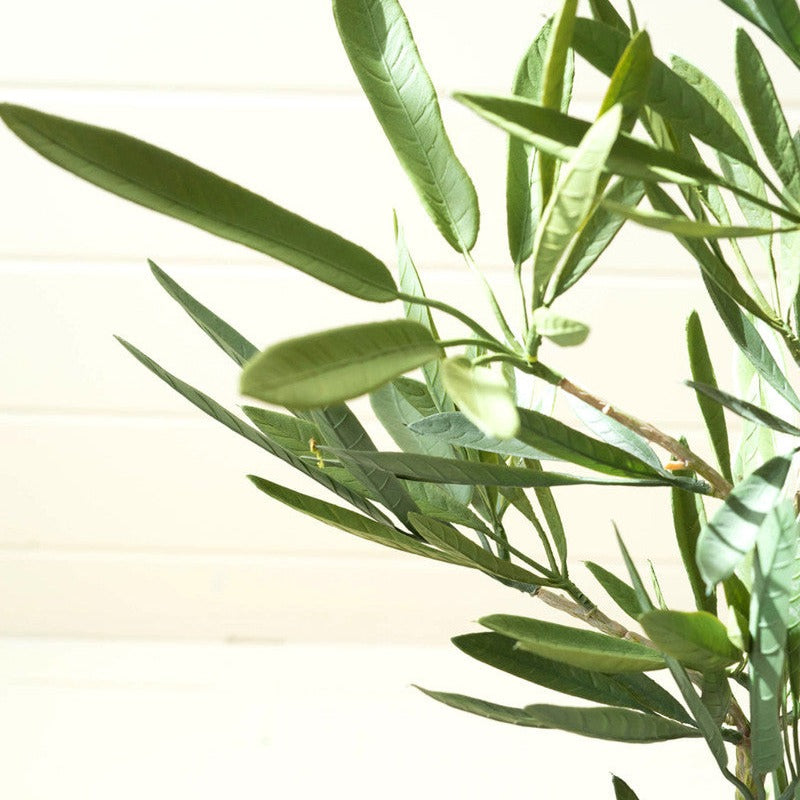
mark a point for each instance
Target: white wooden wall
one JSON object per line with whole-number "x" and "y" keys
{"x": 124, "y": 511}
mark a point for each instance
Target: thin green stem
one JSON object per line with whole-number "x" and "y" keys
{"x": 525, "y": 319}
{"x": 489, "y": 344}
{"x": 552, "y": 577}
{"x": 446, "y": 308}
{"x": 498, "y": 312}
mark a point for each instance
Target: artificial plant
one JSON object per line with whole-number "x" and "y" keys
{"x": 664, "y": 133}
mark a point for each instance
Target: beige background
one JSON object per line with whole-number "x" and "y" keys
{"x": 124, "y": 511}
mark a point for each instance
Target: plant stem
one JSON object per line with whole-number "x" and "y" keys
{"x": 439, "y": 305}
{"x": 498, "y": 312}
{"x": 489, "y": 344}
{"x": 721, "y": 487}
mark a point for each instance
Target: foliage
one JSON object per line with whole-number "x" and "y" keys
{"x": 468, "y": 448}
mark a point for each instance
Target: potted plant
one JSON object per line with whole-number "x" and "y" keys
{"x": 469, "y": 450}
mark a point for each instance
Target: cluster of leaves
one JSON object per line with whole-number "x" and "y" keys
{"x": 467, "y": 450}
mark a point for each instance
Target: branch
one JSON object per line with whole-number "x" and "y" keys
{"x": 721, "y": 487}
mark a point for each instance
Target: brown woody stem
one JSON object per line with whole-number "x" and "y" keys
{"x": 720, "y": 486}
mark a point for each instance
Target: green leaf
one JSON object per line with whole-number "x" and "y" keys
{"x": 552, "y": 89}
{"x": 437, "y": 502}
{"x": 349, "y": 521}
{"x": 630, "y": 80}
{"x": 697, "y": 639}
{"x": 705, "y": 723}
{"x": 223, "y": 335}
{"x": 559, "y": 135}
{"x": 614, "y": 724}
{"x": 744, "y": 409}
{"x": 561, "y": 441}
{"x": 291, "y": 433}
{"x": 573, "y": 197}
{"x": 324, "y": 368}
{"x": 217, "y": 412}
{"x": 773, "y": 571}
{"x": 400, "y": 404}
{"x": 703, "y": 371}
{"x": 629, "y": 690}
{"x": 717, "y": 275}
{"x": 551, "y": 514}
{"x": 483, "y": 708}
{"x": 668, "y": 94}
{"x": 614, "y": 433}
{"x": 681, "y": 225}
{"x": 522, "y": 198}
{"x": 171, "y": 185}
{"x": 560, "y": 330}
{"x": 384, "y": 56}
{"x": 622, "y": 791}
{"x": 457, "y": 430}
{"x": 410, "y": 283}
{"x": 596, "y": 235}
{"x": 731, "y": 533}
{"x": 574, "y": 646}
{"x": 715, "y": 693}
{"x": 765, "y": 113}
{"x": 415, "y": 467}
{"x": 341, "y": 428}
{"x": 779, "y": 19}
{"x": 604, "y": 11}
{"x": 619, "y": 591}
{"x": 449, "y": 540}
{"x": 687, "y": 524}
{"x": 483, "y": 396}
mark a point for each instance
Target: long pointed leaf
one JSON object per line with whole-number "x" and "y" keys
{"x": 575, "y": 646}
{"x": 384, "y": 56}
{"x": 217, "y": 412}
{"x": 731, "y": 533}
{"x": 324, "y": 368}
{"x": 171, "y": 185}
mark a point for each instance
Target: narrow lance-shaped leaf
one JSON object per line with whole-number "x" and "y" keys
{"x": 708, "y": 727}
{"x": 575, "y": 646}
{"x": 523, "y": 201}
{"x": 596, "y": 235}
{"x": 619, "y": 591}
{"x": 349, "y": 521}
{"x": 384, "y": 56}
{"x": 622, "y": 791}
{"x": 773, "y": 569}
{"x": 324, "y": 368}
{"x": 765, "y": 113}
{"x": 449, "y": 540}
{"x": 223, "y": 335}
{"x": 731, "y": 533}
{"x": 697, "y": 639}
{"x": 559, "y": 135}
{"x": 668, "y": 94}
{"x": 217, "y": 412}
{"x": 703, "y": 371}
{"x": 415, "y": 467}
{"x": 681, "y": 225}
{"x": 171, "y": 185}
{"x": 614, "y": 433}
{"x": 718, "y": 276}
{"x": 552, "y": 89}
{"x": 744, "y": 409}
{"x": 483, "y": 395}
{"x": 573, "y": 198}
{"x": 630, "y": 80}
{"x": 779, "y": 19}
{"x": 615, "y": 724}
{"x": 410, "y": 283}
{"x": 626, "y": 690}
{"x": 292, "y": 433}
{"x": 687, "y": 523}
{"x": 604, "y": 11}
{"x": 341, "y": 428}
